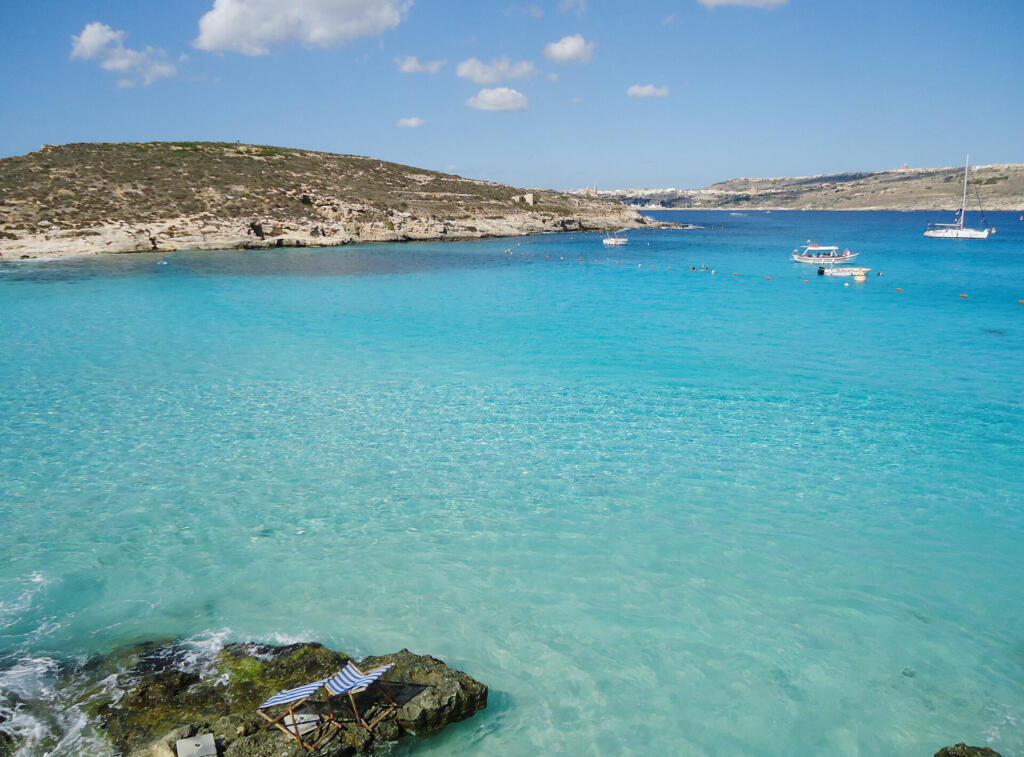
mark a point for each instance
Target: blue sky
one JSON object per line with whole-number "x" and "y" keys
{"x": 556, "y": 93}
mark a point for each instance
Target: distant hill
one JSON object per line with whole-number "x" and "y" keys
{"x": 83, "y": 198}
{"x": 1000, "y": 187}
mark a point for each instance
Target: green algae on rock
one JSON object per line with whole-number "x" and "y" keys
{"x": 962, "y": 750}
{"x": 162, "y": 702}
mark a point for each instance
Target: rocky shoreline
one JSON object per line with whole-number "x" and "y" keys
{"x": 142, "y": 700}
{"x": 87, "y": 199}
{"x": 190, "y": 233}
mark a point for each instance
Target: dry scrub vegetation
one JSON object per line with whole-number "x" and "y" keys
{"x": 81, "y": 186}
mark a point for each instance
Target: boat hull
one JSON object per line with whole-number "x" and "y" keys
{"x": 854, "y": 271}
{"x": 823, "y": 259}
{"x": 957, "y": 233}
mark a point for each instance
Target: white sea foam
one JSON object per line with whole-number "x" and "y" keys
{"x": 13, "y": 610}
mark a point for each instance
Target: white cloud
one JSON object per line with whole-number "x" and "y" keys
{"x": 647, "y": 90}
{"x": 501, "y": 98}
{"x": 576, "y": 100}
{"x": 409, "y": 64}
{"x": 744, "y": 3}
{"x": 496, "y": 70}
{"x": 252, "y": 26}
{"x": 668, "y": 19}
{"x": 410, "y": 123}
{"x": 93, "y": 40}
{"x": 580, "y": 6}
{"x": 527, "y": 10}
{"x": 571, "y": 48}
{"x": 552, "y": 76}
{"x": 101, "y": 43}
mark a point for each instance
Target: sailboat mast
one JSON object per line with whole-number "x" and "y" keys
{"x": 963, "y": 205}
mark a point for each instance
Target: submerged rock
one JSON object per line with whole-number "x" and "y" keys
{"x": 164, "y": 700}
{"x": 962, "y": 750}
{"x": 9, "y": 742}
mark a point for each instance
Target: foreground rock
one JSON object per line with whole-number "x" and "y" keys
{"x": 162, "y": 702}
{"x": 962, "y": 750}
{"x": 7, "y": 743}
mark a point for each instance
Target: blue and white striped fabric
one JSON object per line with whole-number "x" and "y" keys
{"x": 292, "y": 695}
{"x": 350, "y": 679}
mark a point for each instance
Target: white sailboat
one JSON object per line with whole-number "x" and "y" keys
{"x": 957, "y": 230}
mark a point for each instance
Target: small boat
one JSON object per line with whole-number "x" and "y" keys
{"x": 957, "y": 230}
{"x": 614, "y": 241}
{"x": 843, "y": 271}
{"x": 819, "y": 254}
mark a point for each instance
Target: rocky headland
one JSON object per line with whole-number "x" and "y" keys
{"x": 89, "y": 198}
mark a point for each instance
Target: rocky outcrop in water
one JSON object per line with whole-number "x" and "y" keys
{"x": 7, "y": 742}
{"x": 962, "y": 750}
{"x": 163, "y": 700}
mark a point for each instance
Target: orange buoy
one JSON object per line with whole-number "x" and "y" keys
{"x": 652, "y": 267}
{"x": 804, "y": 281}
{"x": 618, "y": 262}
{"x": 898, "y": 289}
{"x": 735, "y": 274}
{"x": 670, "y": 268}
{"x": 964, "y": 296}
{"x": 1020, "y": 302}
{"x": 767, "y": 277}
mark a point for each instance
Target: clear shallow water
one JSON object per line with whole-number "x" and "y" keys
{"x": 658, "y": 512}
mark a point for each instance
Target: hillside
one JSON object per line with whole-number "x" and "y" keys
{"x": 1000, "y": 187}
{"x": 84, "y": 198}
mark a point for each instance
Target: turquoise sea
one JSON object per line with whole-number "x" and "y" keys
{"x": 658, "y": 512}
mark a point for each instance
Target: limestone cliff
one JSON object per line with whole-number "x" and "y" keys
{"x": 89, "y": 198}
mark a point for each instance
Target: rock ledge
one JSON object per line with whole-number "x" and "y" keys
{"x": 164, "y": 701}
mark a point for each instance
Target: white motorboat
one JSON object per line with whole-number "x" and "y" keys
{"x": 614, "y": 241}
{"x": 854, "y": 271}
{"x": 957, "y": 230}
{"x": 822, "y": 255}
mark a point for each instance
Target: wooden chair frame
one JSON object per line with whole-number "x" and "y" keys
{"x": 330, "y": 724}
{"x": 329, "y": 721}
{"x": 392, "y": 704}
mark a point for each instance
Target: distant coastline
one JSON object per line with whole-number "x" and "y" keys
{"x": 992, "y": 187}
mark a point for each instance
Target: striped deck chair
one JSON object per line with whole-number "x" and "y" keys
{"x": 298, "y": 724}
{"x": 351, "y": 680}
